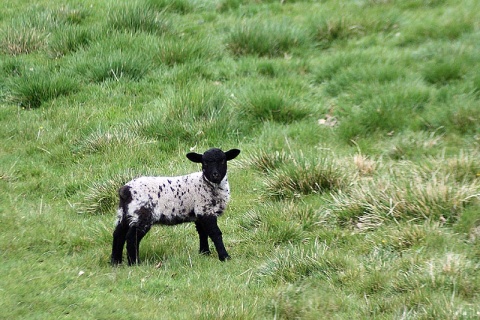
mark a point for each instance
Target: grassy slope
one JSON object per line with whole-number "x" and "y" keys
{"x": 376, "y": 215}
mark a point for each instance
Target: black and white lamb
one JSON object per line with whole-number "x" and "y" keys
{"x": 199, "y": 197}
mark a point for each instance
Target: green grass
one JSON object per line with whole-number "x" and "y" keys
{"x": 356, "y": 195}
{"x": 262, "y": 38}
{"x": 35, "y": 87}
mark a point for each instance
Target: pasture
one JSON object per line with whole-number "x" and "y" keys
{"x": 356, "y": 195}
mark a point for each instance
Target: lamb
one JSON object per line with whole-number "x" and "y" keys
{"x": 199, "y": 197}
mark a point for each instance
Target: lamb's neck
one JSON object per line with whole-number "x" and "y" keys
{"x": 222, "y": 185}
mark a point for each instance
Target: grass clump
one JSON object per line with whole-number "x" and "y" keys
{"x": 457, "y": 115}
{"x": 412, "y": 145}
{"x": 101, "y": 141}
{"x": 101, "y": 197}
{"x": 296, "y": 262}
{"x": 462, "y": 168}
{"x": 197, "y": 113}
{"x": 281, "y": 223}
{"x": 388, "y": 113}
{"x": 70, "y": 39}
{"x": 450, "y": 27}
{"x": 265, "y": 161}
{"x": 333, "y": 28}
{"x": 178, "y": 6}
{"x": 22, "y": 40}
{"x": 419, "y": 195}
{"x": 265, "y": 39}
{"x": 442, "y": 72}
{"x": 33, "y": 88}
{"x": 303, "y": 176}
{"x": 72, "y": 16}
{"x": 137, "y": 17}
{"x": 172, "y": 51}
{"x": 31, "y": 33}
{"x": 115, "y": 66}
{"x": 260, "y": 105}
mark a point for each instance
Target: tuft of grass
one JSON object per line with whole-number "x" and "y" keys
{"x": 194, "y": 114}
{"x": 304, "y": 176}
{"x": 431, "y": 195}
{"x": 457, "y": 114}
{"x": 365, "y": 165}
{"x": 227, "y": 5}
{"x": 172, "y": 51}
{"x": 100, "y": 141}
{"x": 70, "y": 39}
{"x": 73, "y": 16}
{"x": 101, "y": 197}
{"x": 462, "y": 168}
{"x": 179, "y": 6}
{"x": 411, "y": 145}
{"x": 388, "y": 113}
{"x": 296, "y": 262}
{"x": 22, "y": 40}
{"x": 442, "y": 72}
{"x": 35, "y": 87}
{"x": 31, "y": 33}
{"x": 281, "y": 223}
{"x": 137, "y": 17}
{"x": 469, "y": 224}
{"x": 116, "y": 66}
{"x": 263, "y": 38}
{"x": 327, "y": 30}
{"x": 340, "y": 78}
{"x": 271, "y": 105}
{"x": 265, "y": 161}
{"x": 476, "y": 84}
{"x": 450, "y": 27}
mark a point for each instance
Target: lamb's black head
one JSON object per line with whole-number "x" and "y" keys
{"x": 214, "y": 162}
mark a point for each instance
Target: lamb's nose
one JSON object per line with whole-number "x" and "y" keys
{"x": 215, "y": 175}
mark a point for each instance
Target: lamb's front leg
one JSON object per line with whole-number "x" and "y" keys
{"x": 203, "y": 236}
{"x": 210, "y": 226}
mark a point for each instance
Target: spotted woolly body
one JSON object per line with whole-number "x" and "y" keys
{"x": 172, "y": 200}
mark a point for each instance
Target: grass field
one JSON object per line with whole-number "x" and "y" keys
{"x": 356, "y": 195}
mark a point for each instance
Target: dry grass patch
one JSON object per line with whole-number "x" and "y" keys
{"x": 406, "y": 192}
{"x": 22, "y": 40}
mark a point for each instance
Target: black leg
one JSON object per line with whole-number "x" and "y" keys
{"x": 119, "y": 236}
{"x": 209, "y": 224}
{"x": 202, "y": 234}
{"x": 135, "y": 234}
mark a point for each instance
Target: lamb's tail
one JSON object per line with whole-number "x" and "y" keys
{"x": 125, "y": 196}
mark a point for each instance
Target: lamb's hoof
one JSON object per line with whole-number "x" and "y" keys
{"x": 225, "y": 258}
{"x": 205, "y": 252}
{"x": 132, "y": 262}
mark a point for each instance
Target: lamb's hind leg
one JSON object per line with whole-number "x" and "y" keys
{"x": 135, "y": 234}
{"x": 119, "y": 237}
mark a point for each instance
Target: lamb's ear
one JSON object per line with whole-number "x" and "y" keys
{"x": 195, "y": 157}
{"x": 232, "y": 154}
